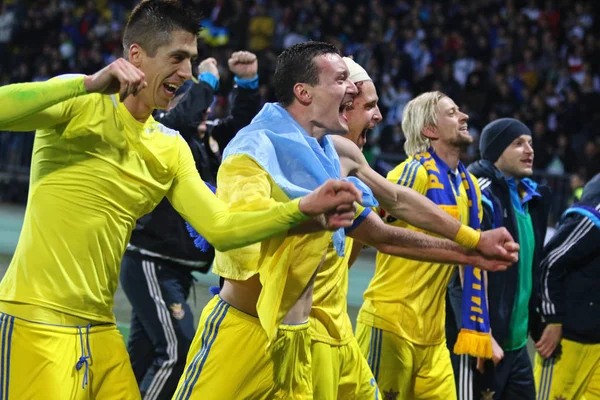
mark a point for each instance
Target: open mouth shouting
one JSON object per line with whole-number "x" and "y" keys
{"x": 343, "y": 108}
{"x": 170, "y": 89}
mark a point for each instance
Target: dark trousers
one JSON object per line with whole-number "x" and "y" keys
{"x": 162, "y": 325}
{"x": 511, "y": 379}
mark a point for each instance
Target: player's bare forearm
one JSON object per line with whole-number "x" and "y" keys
{"x": 416, "y": 209}
{"x": 421, "y": 247}
{"x": 402, "y": 242}
{"x": 21, "y": 104}
{"x": 402, "y": 202}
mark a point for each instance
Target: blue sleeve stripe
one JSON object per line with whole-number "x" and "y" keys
{"x": 359, "y": 220}
{"x": 404, "y": 171}
{"x": 413, "y": 166}
{"x": 414, "y": 176}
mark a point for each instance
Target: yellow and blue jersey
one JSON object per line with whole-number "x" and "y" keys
{"x": 407, "y": 297}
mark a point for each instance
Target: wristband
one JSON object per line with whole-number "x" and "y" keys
{"x": 467, "y": 237}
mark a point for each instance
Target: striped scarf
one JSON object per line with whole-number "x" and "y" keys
{"x": 474, "y": 337}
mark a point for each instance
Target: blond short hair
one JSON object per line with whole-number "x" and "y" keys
{"x": 419, "y": 113}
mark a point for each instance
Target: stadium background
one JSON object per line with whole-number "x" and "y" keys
{"x": 538, "y": 61}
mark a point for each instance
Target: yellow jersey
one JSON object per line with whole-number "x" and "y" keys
{"x": 407, "y": 297}
{"x": 285, "y": 264}
{"x": 329, "y": 319}
{"x": 95, "y": 170}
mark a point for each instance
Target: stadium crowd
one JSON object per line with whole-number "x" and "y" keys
{"x": 537, "y": 61}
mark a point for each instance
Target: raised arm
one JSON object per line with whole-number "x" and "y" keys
{"x": 245, "y": 99}
{"x": 254, "y": 217}
{"x": 36, "y": 105}
{"x": 28, "y": 106}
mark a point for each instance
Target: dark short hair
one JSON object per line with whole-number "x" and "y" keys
{"x": 296, "y": 64}
{"x": 152, "y": 21}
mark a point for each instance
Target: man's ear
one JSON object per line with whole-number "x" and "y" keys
{"x": 430, "y": 132}
{"x": 303, "y": 93}
{"x": 136, "y": 54}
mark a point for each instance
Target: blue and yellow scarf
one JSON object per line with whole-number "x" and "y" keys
{"x": 474, "y": 337}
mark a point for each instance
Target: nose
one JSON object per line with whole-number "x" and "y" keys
{"x": 185, "y": 71}
{"x": 352, "y": 89}
{"x": 529, "y": 148}
{"x": 464, "y": 116}
{"x": 377, "y": 116}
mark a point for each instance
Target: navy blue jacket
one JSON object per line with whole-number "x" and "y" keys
{"x": 570, "y": 281}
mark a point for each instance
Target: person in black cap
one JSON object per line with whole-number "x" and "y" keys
{"x": 512, "y": 200}
{"x": 156, "y": 271}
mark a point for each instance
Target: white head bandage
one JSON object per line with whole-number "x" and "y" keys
{"x": 357, "y": 73}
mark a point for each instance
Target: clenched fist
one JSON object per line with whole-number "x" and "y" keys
{"x": 243, "y": 64}
{"x": 120, "y": 76}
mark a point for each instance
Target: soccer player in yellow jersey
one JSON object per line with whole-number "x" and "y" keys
{"x": 267, "y": 295}
{"x": 339, "y": 369}
{"x": 400, "y": 326}
{"x": 100, "y": 162}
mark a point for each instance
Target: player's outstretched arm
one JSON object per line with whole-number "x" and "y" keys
{"x": 253, "y": 216}
{"x": 408, "y": 205}
{"x": 402, "y": 202}
{"x": 406, "y": 243}
{"x": 36, "y": 105}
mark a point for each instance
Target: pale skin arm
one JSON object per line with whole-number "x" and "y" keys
{"x": 398, "y": 200}
{"x": 402, "y": 242}
{"x": 357, "y": 247}
{"x": 416, "y": 209}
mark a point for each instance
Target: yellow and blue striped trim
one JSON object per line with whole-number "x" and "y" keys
{"x": 409, "y": 173}
{"x": 7, "y": 323}
{"x": 209, "y": 334}
{"x": 546, "y": 381}
{"x": 374, "y": 357}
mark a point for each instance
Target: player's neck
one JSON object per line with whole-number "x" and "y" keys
{"x": 137, "y": 108}
{"x": 304, "y": 118}
{"x": 449, "y": 154}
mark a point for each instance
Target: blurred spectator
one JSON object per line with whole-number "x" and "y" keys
{"x": 535, "y": 60}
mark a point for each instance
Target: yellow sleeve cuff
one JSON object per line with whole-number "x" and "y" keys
{"x": 293, "y": 208}
{"x": 467, "y": 237}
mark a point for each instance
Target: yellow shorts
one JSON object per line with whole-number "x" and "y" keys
{"x": 49, "y": 362}
{"x": 230, "y": 359}
{"x": 341, "y": 372}
{"x": 574, "y": 375}
{"x": 404, "y": 370}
